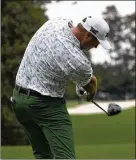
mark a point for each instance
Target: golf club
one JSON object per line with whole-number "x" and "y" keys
{"x": 113, "y": 109}
{"x": 100, "y": 107}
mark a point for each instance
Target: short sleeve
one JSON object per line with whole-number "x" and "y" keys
{"x": 73, "y": 62}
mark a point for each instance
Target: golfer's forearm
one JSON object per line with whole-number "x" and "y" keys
{"x": 92, "y": 85}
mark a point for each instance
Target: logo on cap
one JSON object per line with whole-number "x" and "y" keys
{"x": 94, "y": 31}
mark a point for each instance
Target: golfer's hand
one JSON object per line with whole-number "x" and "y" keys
{"x": 91, "y": 88}
{"x": 90, "y": 97}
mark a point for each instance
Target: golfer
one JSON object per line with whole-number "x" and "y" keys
{"x": 54, "y": 55}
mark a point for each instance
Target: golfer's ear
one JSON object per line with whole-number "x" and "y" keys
{"x": 89, "y": 35}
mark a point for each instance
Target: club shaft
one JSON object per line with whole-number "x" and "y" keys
{"x": 100, "y": 107}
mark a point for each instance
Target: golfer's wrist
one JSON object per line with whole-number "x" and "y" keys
{"x": 91, "y": 87}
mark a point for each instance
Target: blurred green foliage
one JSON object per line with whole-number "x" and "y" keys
{"x": 20, "y": 20}
{"x": 119, "y": 78}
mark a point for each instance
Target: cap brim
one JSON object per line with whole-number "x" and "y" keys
{"x": 105, "y": 44}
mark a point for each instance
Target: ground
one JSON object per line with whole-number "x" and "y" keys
{"x": 96, "y": 136}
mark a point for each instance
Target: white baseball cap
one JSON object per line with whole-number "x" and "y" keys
{"x": 99, "y": 28}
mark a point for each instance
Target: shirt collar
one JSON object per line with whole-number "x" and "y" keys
{"x": 68, "y": 33}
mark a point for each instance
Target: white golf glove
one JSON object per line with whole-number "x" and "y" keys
{"x": 81, "y": 93}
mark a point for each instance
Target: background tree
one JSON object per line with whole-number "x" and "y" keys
{"x": 20, "y": 20}
{"x": 118, "y": 77}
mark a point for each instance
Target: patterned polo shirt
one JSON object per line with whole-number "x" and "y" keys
{"x": 52, "y": 57}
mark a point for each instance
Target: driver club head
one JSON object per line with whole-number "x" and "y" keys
{"x": 114, "y": 109}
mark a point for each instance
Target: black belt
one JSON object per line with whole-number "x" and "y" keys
{"x": 28, "y": 92}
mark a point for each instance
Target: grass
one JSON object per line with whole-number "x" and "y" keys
{"x": 101, "y": 151}
{"x": 102, "y": 129}
{"x": 96, "y": 137}
{"x": 73, "y": 103}
{"x": 106, "y": 151}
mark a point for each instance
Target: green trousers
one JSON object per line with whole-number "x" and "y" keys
{"x": 47, "y": 124}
